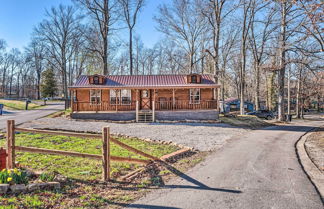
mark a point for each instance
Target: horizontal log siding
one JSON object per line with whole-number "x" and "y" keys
{"x": 181, "y": 95}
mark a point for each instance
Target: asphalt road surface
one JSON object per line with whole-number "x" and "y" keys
{"x": 23, "y": 116}
{"x": 258, "y": 170}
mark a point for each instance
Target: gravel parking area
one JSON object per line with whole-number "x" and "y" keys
{"x": 201, "y": 136}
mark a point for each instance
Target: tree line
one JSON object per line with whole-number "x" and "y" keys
{"x": 269, "y": 52}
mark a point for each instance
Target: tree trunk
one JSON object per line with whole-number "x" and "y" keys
{"x": 4, "y": 82}
{"x": 257, "y": 90}
{"x": 131, "y": 51}
{"x": 105, "y": 57}
{"x": 242, "y": 78}
{"x": 105, "y": 37}
{"x": 38, "y": 85}
{"x": 298, "y": 95}
{"x": 281, "y": 73}
{"x": 288, "y": 89}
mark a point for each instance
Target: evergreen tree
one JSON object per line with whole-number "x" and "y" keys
{"x": 49, "y": 86}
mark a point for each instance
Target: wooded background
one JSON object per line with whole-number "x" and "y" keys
{"x": 268, "y": 52}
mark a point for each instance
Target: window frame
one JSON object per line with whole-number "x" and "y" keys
{"x": 195, "y": 80}
{"x": 119, "y": 97}
{"x": 74, "y": 96}
{"x": 191, "y": 96}
{"x": 129, "y": 93}
{"x": 96, "y": 80}
{"x": 96, "y": 96}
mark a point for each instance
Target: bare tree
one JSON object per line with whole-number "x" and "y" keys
{"x": 104, "y": 12}
{"x": 213, "y": 11}
{"x": 183, "y": 24}
{"x": 248, "y": 13}
{"x": 313, "y": 24}
{"x": 35, "y": 55}
{"x": 284, "y": 6}
{"x": 58, "y": 32}
{"x": 130, "y": 9}
{"x": 259, "y": 39}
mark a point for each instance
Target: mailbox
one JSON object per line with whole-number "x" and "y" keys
{"x": 1, "y": 108}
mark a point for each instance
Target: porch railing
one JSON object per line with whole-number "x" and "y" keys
{"x": 159, "y": 105}
{"x": 185, "y": 105}
{"x": 103, "y": 106}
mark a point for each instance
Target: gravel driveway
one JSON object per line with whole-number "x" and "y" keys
{"x": 202, "y": 136}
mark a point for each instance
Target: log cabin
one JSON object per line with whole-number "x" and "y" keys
{"x": 145, "y": 98}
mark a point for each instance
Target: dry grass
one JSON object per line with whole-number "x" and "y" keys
{"x": 18, "y": 105}
{"x": 246, "y": 121}
{"x": 315, "y": 148}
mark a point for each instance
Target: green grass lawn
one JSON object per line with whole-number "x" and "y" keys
{"x": 81, "y": 168}
{"x": 18, "y": 105}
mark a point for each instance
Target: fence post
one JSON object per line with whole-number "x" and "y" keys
{"x": 105, "y": 154}
{"x": 11, "y": 144}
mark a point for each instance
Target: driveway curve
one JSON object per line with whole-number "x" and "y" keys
{"x": 258, "y": 170}
{"x": 22, "y": 116}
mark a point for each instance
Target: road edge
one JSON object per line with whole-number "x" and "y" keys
{"x": 315, "y": 176}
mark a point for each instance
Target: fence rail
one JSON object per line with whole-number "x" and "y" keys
{"x": 105, "y": 157}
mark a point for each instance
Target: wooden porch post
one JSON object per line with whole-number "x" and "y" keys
{"x": 173, "y": 99}
{"x": 117, "y": 99}
{"x": 137, "y": 106}
{"x": 72, "y": 92}
{"x": 153, "y": 108}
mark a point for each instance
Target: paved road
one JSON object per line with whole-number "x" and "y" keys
{"x": 259, "y": 170}
{"x": 24, "y": 116}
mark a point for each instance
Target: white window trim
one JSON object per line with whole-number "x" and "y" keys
{"x": 99, "y": 103}
{"x": 191, "y": 96}
{"x": 119, "y": 97}
{"x": 130, "y": 97}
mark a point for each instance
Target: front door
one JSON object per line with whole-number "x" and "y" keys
{"x": 145, "y": 100}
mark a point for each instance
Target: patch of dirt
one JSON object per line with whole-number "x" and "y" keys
{"x": 315, "y": 148}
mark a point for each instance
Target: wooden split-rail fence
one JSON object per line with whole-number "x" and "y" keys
{"x": 105, "y": 156}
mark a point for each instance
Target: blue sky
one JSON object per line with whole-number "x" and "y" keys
{"x": 18, "y": 18}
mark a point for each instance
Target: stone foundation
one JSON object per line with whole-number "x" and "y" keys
{"x": 112, "y": 116}
{"x": 185, "y": 115}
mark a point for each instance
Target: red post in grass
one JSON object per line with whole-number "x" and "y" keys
{"x": 10, "y": 144}
{"x": 3, "y": 158}
{"x": 105, "y": 154}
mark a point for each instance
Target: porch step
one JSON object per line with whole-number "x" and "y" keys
{"x": 145, "y": 117}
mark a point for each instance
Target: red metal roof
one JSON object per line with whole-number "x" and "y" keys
{"x": 143, "y": 81}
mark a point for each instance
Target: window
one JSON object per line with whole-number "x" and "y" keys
{"x": 120, "y": 97}
{"x": 95, "y": 96}
{"x": 114, "y": 97}
{"x": 193, "y": 79}
{"x": 145, "y": 94}
{"x": 194, "y": 96}
{"x": 126, "y": 96}
{"x": 74, "y": 96}
{"x": 96, "y": 80}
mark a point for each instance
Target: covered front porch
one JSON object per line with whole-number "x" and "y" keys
{"x": 146, "y": 103}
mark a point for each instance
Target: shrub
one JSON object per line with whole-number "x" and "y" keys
{"x": 13, "y": 176}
